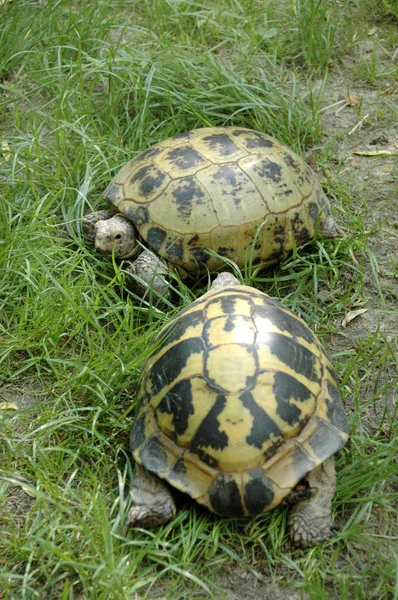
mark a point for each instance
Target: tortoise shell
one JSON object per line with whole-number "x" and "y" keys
{"x": 238, "y": 403}
{"x": 238, "y": 192}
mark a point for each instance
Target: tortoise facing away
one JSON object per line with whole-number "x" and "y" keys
{"x": 237, "y": 405}
{"x": 238, "y": 192}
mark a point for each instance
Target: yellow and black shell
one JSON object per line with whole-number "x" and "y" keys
{"x": 238, "y": 403}
{"x": 237, "y": 192}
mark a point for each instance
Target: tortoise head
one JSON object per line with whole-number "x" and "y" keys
{"x": 117, "y": 235}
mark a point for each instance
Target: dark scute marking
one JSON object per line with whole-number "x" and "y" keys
{"x": 176, "y": 330}
{"x": 224, "y": 251}
{"x": 137, "y": 435}
{"x": 302, "y": 236}
{"x": 253, "y": 139}
{"x": 271, "y": 450}
{"x": 258, "y": 141}
{"x": 225, "y": 497}
{"x": 178, "y": 402}
{"x": 251, "y": 380}
{"x": 263, "y": 426}
{"x": 174, "y": 251}
{"x": 227, "y": 174}
{"x": 200, "y": 255}
{"x": 187, "y": 193}
{"x": 313, "y": 211}
{"x": 207, "y": 458}
{"x": 147, "y": 180}
{"x": 324, "y": 203}
{"x": 229, "y": 324}
{"x": 193, "y": 240}
{"x": 179, "y": 472}
{"x": 208, "y": 433}
{"x": 238, "y": 132}
{"x": 227, "y": 303}
{"x": 268, "y": 168}
{"x": 185, "y": 157}
{"x": 153, "y": 456}
{"x": 138, "y": 214}
{"x": 285, "y": 322}
{"x": 301, "y": 233}
{"x": 155, "y": 238}
{"x": 222, "y": 143}
{"x": 258, "y": 492}
{"x": 303, "y": 463}
{"x": 183, "y": 136}
{"x": 335, "y": 409}
{"x": 294, "y": 355}
{"x": 150, "y": 153}
{"x": 287, "y": 387}
{"x": 113, "y": 193}
{"x": 168, "y": 366}
{"x": 325, "y": 441}
{"x": 289, "y": 160}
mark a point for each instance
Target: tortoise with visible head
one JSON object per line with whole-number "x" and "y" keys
{"x": 237, "y": 405}
{"x": 238, "y": 192}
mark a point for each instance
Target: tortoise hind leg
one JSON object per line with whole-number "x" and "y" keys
{"x": 309, "y": 520}
{"x": 153, "y": 501}
{"x": 330, "y": 229}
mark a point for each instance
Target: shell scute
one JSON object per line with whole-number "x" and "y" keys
{"x": 288, "y": 466}
{"x": 188, "y": 211}
{"x": 323, "y": 439}
{"x": 182, "y": 161}
{"x": 178, "y": 403}
{"x": 254, "y": 139}
{"x": 258, "y": 492}
{"x": 217, "y": 146}
{"x": 145, "y": 184}
{"x": 225, "y": 496}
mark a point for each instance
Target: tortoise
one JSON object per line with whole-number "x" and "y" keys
{"x": 238, "y": 192}
{"x": 237, "y": 405}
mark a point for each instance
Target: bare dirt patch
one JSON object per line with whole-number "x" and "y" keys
{"x": 19, "y": 396}
{"x": 17, "y": 401}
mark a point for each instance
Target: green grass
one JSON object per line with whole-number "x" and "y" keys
{"x": 84, "y": 87}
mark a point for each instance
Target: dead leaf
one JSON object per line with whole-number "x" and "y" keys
{"x": 5, "y": 151}
{"x": 353, "y": 100}
{"x": 352, "y": 315}
{"x": 376, "y": 153}
{"x": 8, "y": 406}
